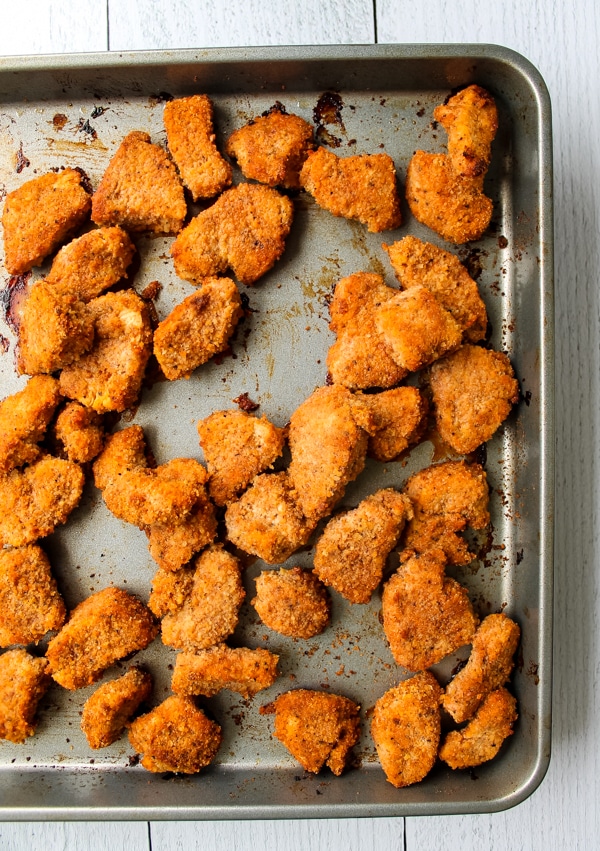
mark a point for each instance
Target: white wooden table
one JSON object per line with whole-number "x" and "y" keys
{"x": 562, "y": 39}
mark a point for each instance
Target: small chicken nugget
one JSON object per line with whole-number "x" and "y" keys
{"x": 401, "y": 418}
{"x": 24, "y": 681}
{"x": 24, "y": 417}
{"x": 109, "y": 709}
{"x": 173, "y": 544}
{"x": 406, "y": 729}
{"x": 470, "y": 119}
{"x": 123, "y": 451}
{"x": 170, "y": 590}
{"x": 482, "y": 738}
{"x": 292, "y": 602}
{"x": 30, "y": 603}
{"x": 238, "y": 669}
{"x": 79, "y": 430}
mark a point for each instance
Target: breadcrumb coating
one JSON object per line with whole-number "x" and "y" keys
{"x": 23, "y": 682}
{"x": 79, "y": 430}
{"x": 482, "y": 738}
{"x": 173, "y": 544}
{"x": 170, "y": 590}
{"x": 24, "y": 418}
{"x": 470, "y": 119}
{"x": 238, "y": 669}
{"x": 123, "y": 451}
{"x": 400, "y": 416}
{"x": 293, "y": 602}
{"x": 109, "y": 709}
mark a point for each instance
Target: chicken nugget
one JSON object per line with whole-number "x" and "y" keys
{"x": 316, "y": 727}
{"x": 489, "y": 667}
{"x": 292, "y": 602}
{"x": 173, "y": 544}
{"x": 102, "y": 629}
{"x": 30, "y": 603}
{"x": 401, "y": 418}
{"x": 406, "y": 729}
{"x": 198, "y": 328}
{"x": 238, "y": 669}
{"x": 79, "y": 430}
{"x": 482, "y": 738}
{"x": 426, "y": 614}
{"x": 191, "y": 140}
{"x": 123, "y": 451}
{"x": 109, "y": 709}
{"x": 140, "y": 190}
{"x": 170, "y": 590}
{"x": 244, "y": 230}
{"x": 470, "y": 119}
{"x": 24, "y": 681}
{"x": 24, "y": 417}
{"x": 41, "y": 214}
{"x": 361, "y": 187}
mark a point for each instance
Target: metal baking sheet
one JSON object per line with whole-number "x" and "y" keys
{"x": 74, "y": 110}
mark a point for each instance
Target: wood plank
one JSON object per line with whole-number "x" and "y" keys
{"x": 37, "y": 27}
{"x": 60, "y": 836}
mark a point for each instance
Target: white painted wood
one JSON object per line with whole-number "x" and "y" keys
{"x": 85, "y": 836}
{"x": 52, "y": 26}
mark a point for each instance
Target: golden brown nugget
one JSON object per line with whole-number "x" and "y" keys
{"x": 416, "y": 328}
{"x": 191, "y": 140}
{"x": 173, "y": 544}
{"x": 23, "y": 682}
{"x": 210, "y": 612}
{"x": 489, "y": 667}
{"x": 400, "y": 416}
{"x": 244, "y": 230}
{"x": 360, "y": 357}
{"x": 406, "y": 729}
{"x": 292, "y": 602}
{"x": 37, "y": 499}
{"x": 109, "y": 377}
{"x": 24, "y": 418}
{"x": 473, "y": 392}
{"x": 176, "y": 736}
{"x": 470, "y": 119}
{"x": 110, "y": 708}
{"x": 197, "y": 328}
{"x": 170, "y": 590}
{"x": 238, "y": 669}
{"x": 351, "y": 553}
{"x": 360, "y": 187}
{"x": 140, "y": 190}
{"x": 102, "y": 629}
{"x": 30, "y": 603}
{"x": 272, "y": 148}
{"x": 40, "y": 215}
{"x": 418, "y": 263}
{"x": 123, "y": 451}
{"x": 237, "y": 447}
{"x": 426, "y": 614}
{"x": 79, "y": 430}
{"x": 316, "y": 727}
{"x": 482, "y": 738}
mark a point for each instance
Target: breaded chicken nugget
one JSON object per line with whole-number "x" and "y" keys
{"x": 400, "y": 416}
{"x": 109, "y": 377}
{"x": 244, "y": 230}
{"x": 351, "y": 553}
{"x": 360, "y": 357}
{"x": 473, "y": 391}
{"x": 418, "y": 263}
{"x": 426, "y": 614}
{"x": 316, "y": 727}
{"x": 191, "y": 140}
{"x": 482, "y": 738}
{"x": 406, "y": 729}
{"x": 140, "y": 189}
{"x": 176, "y": 736}
{"x": 293, "y": 602}
{"x": 360, "y": 187}
{"x": 110, "y": 708}
{"x": 23, "y": 682}
{"x": 198, "y": 328}
{"x": 272, "y": 148}
{"x": 102, "y": 629}
{"x": 41, "y": 214}
{"x": 238, "y": 669}
{"x": 173, "y": 544}
{"x": 489, "y": 667}
{"x": 470, "y": 119}
{"x": 30, "y": 603}
{"x": 24, "y": 417}
{"x": 123, "y": 451}
{"x": 79, "y": 430}
{"x": 170, "y": 590}
{"x": 38, "y": 499}
{"x": 237, "y": 447}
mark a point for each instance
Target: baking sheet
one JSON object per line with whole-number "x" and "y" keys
{"x": 74, "y": 110}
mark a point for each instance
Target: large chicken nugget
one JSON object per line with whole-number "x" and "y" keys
{"x": 24, "y": 417}
{"x": 108, "y": 711}
{"x": 470, "y": 119}
{"x": 482, "y": 738}
{"x": 24, "y": 681}
{"x": 238, "y": 669}
{"x": 292, "y": 602}
{"x": 400, "y": 416}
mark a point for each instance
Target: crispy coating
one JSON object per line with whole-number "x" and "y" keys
{"x": 470, "y": 119}
{"x": 238, "y": 669}
{"x": 482, "y": 738}
{"x": 406, "y": 729}
{"x": 24, "y": 417}
{"x": 209, "y": 613}
{"x": 426, "y": 614}
{"x": 198, "y": 328}
{"x": 316, "y": 727}
{"x": 400, "y": 416}
{"x": 173, "y": 544}
{"x": 175, "y": 736}
{"x": 360, "y": 187}
{"x": 102, "y": 629}
{"x": 79, "y": 430}
{"x": 272, "y": 148}
{"x": 123, "y": 451}
{"x": 38, "y": 499}
{"x": 237, "y": 447}
{"x": 473, "y": 391}
{"x": 360, "y": 357}
{"x": 109, "y": 377}
{"x": 489, "y": 667}
{"x": 191, "y": 140}
{"x": 23, "y": 682}
{"x": 40, "y": 215}
{"x": 351, "y": 553}
{"x": 292, "y": 602}
{"x": 244, "y": 230}
{"x": 140, "y": 190}
{"x": 109, "y": 709}
{"x": 170, "y": 590}
{"x": 418, "y": 263}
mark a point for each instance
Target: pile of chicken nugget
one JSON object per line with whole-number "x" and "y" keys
{"x": 403, "y": 357}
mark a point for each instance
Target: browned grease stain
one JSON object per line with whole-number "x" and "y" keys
{"x": 59, "y": 120}
{"x": 66, "y": 146}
